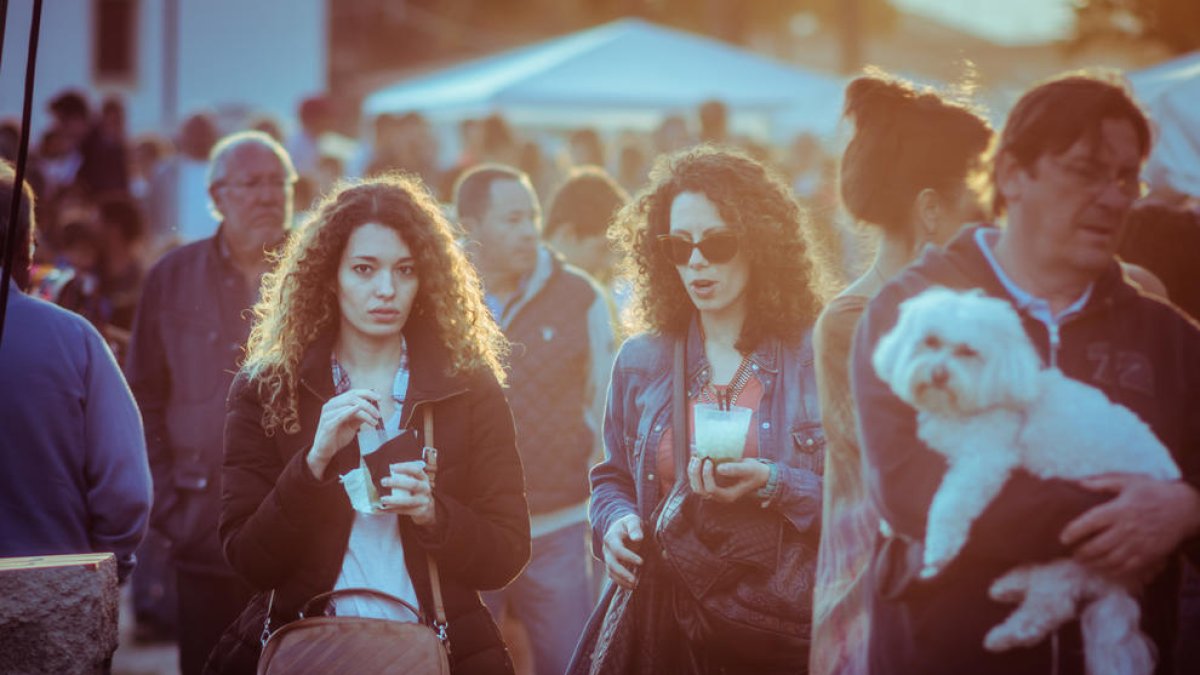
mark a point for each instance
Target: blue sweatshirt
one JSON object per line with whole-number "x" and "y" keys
{"x": 73, "y": 470}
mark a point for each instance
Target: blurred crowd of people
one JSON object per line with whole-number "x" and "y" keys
{"x": 111, "y": 204}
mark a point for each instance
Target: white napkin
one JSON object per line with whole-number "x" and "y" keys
{"x": 357, "y": 482}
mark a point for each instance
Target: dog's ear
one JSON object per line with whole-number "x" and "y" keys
{"x": 1013, "y": 365}
{"x": 895, "y": 347}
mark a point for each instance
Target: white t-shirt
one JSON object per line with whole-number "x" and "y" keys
{"x": 375, "y": 554}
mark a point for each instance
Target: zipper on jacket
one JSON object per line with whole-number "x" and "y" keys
{"x": 1055, "y": 343}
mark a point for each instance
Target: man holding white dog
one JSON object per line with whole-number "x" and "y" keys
{"x": 1065, "y": 175}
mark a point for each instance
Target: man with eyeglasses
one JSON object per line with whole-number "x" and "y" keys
{"x": 559, "y": 324}
{"x": 1065, "y": 176}
{"x": 188, "y": 337}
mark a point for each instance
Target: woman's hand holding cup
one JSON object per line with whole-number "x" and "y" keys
{"x": 412, "y": 494}
{"x": 738, "y": 479}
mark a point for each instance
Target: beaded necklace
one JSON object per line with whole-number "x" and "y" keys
{"x": 728, "y": 394}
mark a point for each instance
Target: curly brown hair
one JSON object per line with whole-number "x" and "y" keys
{"x": 299, "y": 303}
{"x": 752, "y": 199}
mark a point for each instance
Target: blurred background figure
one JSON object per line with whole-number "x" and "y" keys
{"x": 188, "y": 338}
{"x": 578, "y": 218}
{"x": 150, "y": 151}
{"x": 1162, "y": 235}
{"x": 671, "y": 135}
{"x": 105, "y": 152}
{"x": 121, "y": 229}
{"x": 714, "y": 122}
{"x": 557, "y": 384}
{"x": 268, "y": 125}
{"x": 498, "y": 142}
{"x": 316, "y": 119}
{"x": 179, "y": 212}
{"x": 584, "y": 147}
{"x": 72, "y": 120}
{"x": 632, "y": 166}
{"x": 804, "y": 163}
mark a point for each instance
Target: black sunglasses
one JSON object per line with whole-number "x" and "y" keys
{"x": 718, "y": 247}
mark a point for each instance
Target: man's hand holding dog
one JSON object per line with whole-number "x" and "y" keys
{"x": 1129, "y": 536}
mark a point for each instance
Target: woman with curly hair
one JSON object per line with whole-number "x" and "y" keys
{"x": 716, "y": 246}
{"x": 372, "y": 319}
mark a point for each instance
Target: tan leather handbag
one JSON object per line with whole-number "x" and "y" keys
{"x": 318, "y": 645}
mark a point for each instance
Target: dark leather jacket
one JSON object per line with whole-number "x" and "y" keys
{"x": 283, "y": 529}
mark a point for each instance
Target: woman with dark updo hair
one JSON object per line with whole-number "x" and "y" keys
{"x": 909, "y": 174}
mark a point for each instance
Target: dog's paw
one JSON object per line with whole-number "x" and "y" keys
{"x": 1010, "y": 588}
{"x": 933, "y": 562}
{"x": 1005, "y": 637}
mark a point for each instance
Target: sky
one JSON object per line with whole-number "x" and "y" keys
{"x": 1009, "y": 22}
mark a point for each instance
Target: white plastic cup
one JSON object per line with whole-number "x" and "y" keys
{"x": 721, "y": 434}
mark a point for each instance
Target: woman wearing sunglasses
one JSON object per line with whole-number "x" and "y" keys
{"x": 716, "y": 248}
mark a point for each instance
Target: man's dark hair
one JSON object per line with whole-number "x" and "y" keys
{"x": 70, "y": 103}
{"x": 585, "y": 203}
{"x": 1057, "y": 113}
{"x": 22, "y": 255}
{"x": 473, "y": 190}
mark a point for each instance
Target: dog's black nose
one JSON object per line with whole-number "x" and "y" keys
{"x": 939, "y": 376}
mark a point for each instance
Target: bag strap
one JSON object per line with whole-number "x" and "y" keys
{"x": 431, "y": 460}
{"x": 679, "y": 420}
{"x": 266, "y": 631}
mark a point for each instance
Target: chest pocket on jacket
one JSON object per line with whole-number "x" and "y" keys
{"x": 809, "y": 442}
{"x": 195, "y": 356}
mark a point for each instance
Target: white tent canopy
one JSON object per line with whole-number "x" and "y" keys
{"x": 1171, "y": 94}
{"x": 623, "y": 75}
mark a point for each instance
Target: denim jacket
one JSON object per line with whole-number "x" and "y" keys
{"x": 639, "y": 411}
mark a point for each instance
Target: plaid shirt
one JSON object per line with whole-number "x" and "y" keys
{"x": 341, "y": 383}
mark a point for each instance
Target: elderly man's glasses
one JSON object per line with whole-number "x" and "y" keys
{"x": 1096, "y": 178}
{"x": 716, "y": 247}
{"x": 264, "y": 183}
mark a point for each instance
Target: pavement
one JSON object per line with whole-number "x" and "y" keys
{"x": 135, "y": 658}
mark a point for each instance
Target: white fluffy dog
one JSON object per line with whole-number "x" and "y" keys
{"x": 985, "y": 402}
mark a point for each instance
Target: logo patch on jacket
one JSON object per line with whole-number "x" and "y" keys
{"x": 1125, "y": 369}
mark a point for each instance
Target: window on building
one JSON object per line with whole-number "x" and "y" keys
{"x": 115, "y": 40}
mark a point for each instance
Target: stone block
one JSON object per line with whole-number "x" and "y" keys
{"x": 58, "y": 614}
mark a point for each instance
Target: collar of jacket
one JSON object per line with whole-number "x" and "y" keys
{"x": 428, "y": 363}
{"x": 548, "y": 263}
{"x": 765, "y": 356}
{"x": 962, "y": 258}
